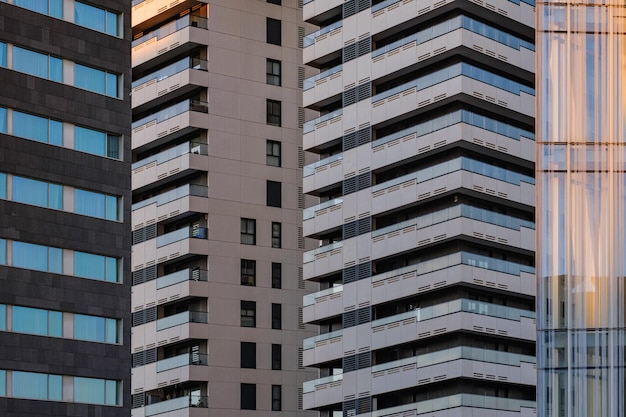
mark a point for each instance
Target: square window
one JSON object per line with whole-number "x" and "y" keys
{"x": 277, "y": 360}
{"x": 274, "y": 194}
{"x": 248, "y": 396}
{"x": 248, "y": 272}
{"x": 248, "y": 314}
{"x": 248, "y": 231}
{"x": 273, "y": 151}
{"x": 274, "y": 110}
{"x": 248, "y": 355}
{"x": 273, "y": 72}
{"x": 277, "y": 273}
{"x": 277, "y": 316}
{"x": 276, "y": 398}
{"x": 273, "y": 27}
{"x": 276, "y": 235}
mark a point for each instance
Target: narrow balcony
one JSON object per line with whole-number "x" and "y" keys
{"x": 195, "y": 359}
{"x": 188, "y": 401}
{"x": 182, "y": 318}
{"x": 182, "y": 276}
{"x": 181, "y": 234}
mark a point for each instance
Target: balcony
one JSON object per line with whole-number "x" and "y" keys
{"x": 195, "y": 359}
{"x": 156, "y": 88}
{"x": 169, "y": 123}
{"x": 168, "y": 41}
{"x": 182, "y": 276}
{"x": 172, "y": 195}
{"x": 169, "y": 165}
{"x": 192, "y": 400}
{"x": 182, "y": 318}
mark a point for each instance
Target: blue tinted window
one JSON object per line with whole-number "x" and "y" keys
{"x": 31, "y": 62}
{"x": 90, "y": 141}
{"x": 30, "y": 127}
{"x": 95, "y": 391}
{"x": 37, "y": 193}
{"x": 95, "y": 80}
{"x": 89, "y": 203}
{"x": 52, "y": 8}
{"x": 3, "y": 383}
{"x": 29, "y": 256}
{"x": 3, "y": 54}
{"x": 3, "y": 119}
{"x": 89, "y": 328}
{"x": 29, "y": 385}
{"x": 87, "y": 265}
{"x": 111, "y": 331}
{"x": 30, "y": 320}
{"x": 56, "y": 69}
{"x": 55, "y": 323}
{"x": 111, "y": 208}
{"x": 3, "y": 186}
{"x": 112, "y": 24}
{"x": 95, "y": 18}
{"x": 55, "y": 257}
{"x": 55, "y": 387}
{"x": 3, "y": 318}
{"x": 56, "y": 133}
{"x": 3, "y": 252}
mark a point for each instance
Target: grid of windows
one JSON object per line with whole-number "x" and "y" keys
{"x": 274, "y": 111}
{"x": 248, "y": 314}
{"x": 273, "y": 151}
{"x": 248, "y": 231}
{"x": 276, "y": 235}
{"x": 248, "y": 272}
{"x": 273, "y": 72}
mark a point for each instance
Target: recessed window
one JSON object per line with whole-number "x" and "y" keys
{"x": 273, "y": 72}
{"x": 276, "y": 235}
{"x": 274, "y": 31}
{"x": 274, "y": 194}
{"x": 277, "y": 273}
{"x": 277, "y": 316}
{"x": 96, "y": 18}
{"x": 277, "y": 357}
{"x": 248, "y": 355}
{"x": 95, "y": 80}
{"x": 248, "y": 396}
{"x": 273, "y": 151}
{"x": 276, "y": 397}
{"x": 52, "y": 8}
{"x": 248, "y": 272}
{"x": 248, "y": 314}
{"x": 274, "y": 1}
{"x": 274, "y": 112}
{"x": 37, "y": 64}
{"x": 248, "y": 231}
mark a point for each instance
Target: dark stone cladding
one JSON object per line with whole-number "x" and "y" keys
{"x": 61, "y": 229}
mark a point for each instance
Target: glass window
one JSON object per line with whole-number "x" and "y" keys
{"x": 95, "y": 204}
{"x": 276, "y": 398}
{"x": 248, "y": 231}
{"x": 276, "y": 316}
{"x": 97, "y": 143}
{"x": 277, "y": 357}
{"x": 30, "y": 127}
{"x": 273, "y": 72}
{"x": 248, "y": 396}
{"x": 52, "y": 8}
{"x": 273, "y": 153}
{"x": 36, "y": 257}
{"x": 3, "y": 383}
{"x": 274, "y": 112}
{"x": 3, "y": 119}
{"x": 277, "y": 272}
{"x": 273, "y": 194}
{"x": 95, "y": 329}
{"x": 37, "y": 193}
{"x": 37, "y": 64}
{"x": 3, "y": 252}
{"x": 95, "y": 80}
{"x": 3, "y": 186}
{"x": 248, "y": 272}
{"x": 36, "y": 386}
{"x": 248, "y": 314}
{"x": 3, "y": 54}
{"x": 96, "y": 18}
{"x": 248, "y": 355}
{"x": 3, "y": 317}
{"x": 102, "y": 268}
{"x": 273, "y": 34}
{"x": 37, "y": 321}
{"x": 276, "y": 235}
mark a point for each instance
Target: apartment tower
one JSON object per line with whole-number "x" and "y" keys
{"x": 581, "y": 211}
{"x": 216, "y": 214}
{"x": 425, "y": 219}
{"x": 65, "y": 208}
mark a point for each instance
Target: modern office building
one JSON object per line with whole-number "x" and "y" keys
{"x": 217, "y": 208}
{"x": 64, "y": 208}
{"x": 425, "y": 221}
{"x": 581, "y": 212}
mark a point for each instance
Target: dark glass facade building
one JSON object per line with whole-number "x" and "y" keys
{"x": 64, "y": 208}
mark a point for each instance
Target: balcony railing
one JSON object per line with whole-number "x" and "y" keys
{"x": 182, "y": 276}
{"x": 310, "y": 125}
{"x": 309, "y": 299}
{"x": 175, "y": 26}
{"x": 187, "y": 401}
{"x": 310, "y": 169}
{"x": 175, "y": 110}
{"x": 175, "y": 68}
{"x": 311, "y": 341}
{"x": 309, "y": 213}
{"x": 169, "y": 196}
{"x": 310, "y": 255}
{"x": 175, "y": 152}
{"x": 181, "y": 234}
{"x": 310, "y": 82}
{"x": 182, "y": 318}
{"x": 197, "y": 359}
{"x": 309, "y": 386}
{"x": 310, "y": 39}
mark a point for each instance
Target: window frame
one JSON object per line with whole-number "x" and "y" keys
{"x": 277, "y": 235}
{"x": 248, "y": 272}
{"x": 277, "y": 397}
{"x": 247, "y": 355}
{"x": 273, "y": 193}
{"x": 248, "y": 231}
{"x": 247, "y": 396}
{"x": 277, "y": 275}
{"x": 248, "y": 314}
{"x": 273, "y": 152}
{"x": 273, "y": 70}
{"x": 277, "y": 316}
{"x": 273, "y": 31}
{"x": 274, "y": 112}
{"x": 277, "y": 357}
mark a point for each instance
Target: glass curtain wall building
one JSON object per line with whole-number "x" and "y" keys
{"x": 65, "y": 208}
{"x": 421, "y": 164}
{"x": 581, "y": 128}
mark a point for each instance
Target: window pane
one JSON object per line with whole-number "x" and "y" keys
{"x": 27, "y": 255}
{"x": 39, "y": 6}
{"x": 89, "y": 16}
{"x": 89, "y": 328}
{"x": 55, "y": 387}
{"x": 3, "y": 318}
{"x": 56, "y": 197}
{"x": 3, "y": 252}
{"x": 3, "y": 383}
{"x": 89, "y": 390}
{"x": 87, "y": 265}
{"x": 30, "y": 191}
{"x": 56, "y": 69}
{"x": 90, "y": 141}
{"x": 89, "y": 79}
{"x": 3, "y": 186}
{"x": 30, "y": 62}
{"x": 30, "y": 127}
{"x": 3, "y": 54}
{"x": 3, "y": 117}
{"x": 111, "y": 269}
{"x": 112, "y": 22}
{"x": 110, "y": 392}
{"x": 56, "y": 9}
{"x": 111, "y": 89}
{"x": 111, "y": 331}
{"x": 29, "y": 385}
{"x": 89, "y": 203}
{"x": 56, "y": 133}
{"x": 113, "y": 146}
{"x": 30, "y": 320}
{"x": 111, "y": 208}
{"x": 55, "y": 260}
{"x": 55, "y": 323}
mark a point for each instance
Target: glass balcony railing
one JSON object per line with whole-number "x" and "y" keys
{"x": 182, "y": 276}
{"x": 175, "y": 110}
{"x": 182, "y": 318}
{"x": 310, "y": 82}
{"x": 310, "y": 39}
{"x": 310, "y": 125}
{"x": 169, "y": 196}
{"x": 309, "y": 386}
{"x": 310, "y": 169}
{"x": 309, "y": 213}
{"x": 309, "y": 299}
{"x": 186, "y": 401}
{"x": 197, "y": 359}
{"x": 310, "y": 255}
{"x": 175, "y": 152}
{"x": 175, "y": 68}
{"x": 181, "y": 234}
{"x": 458, "y": 400}
{"x": 175, "y": 26}
{"x": 311, "y": 341}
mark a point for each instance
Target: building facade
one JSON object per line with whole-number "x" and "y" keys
{"x": 581, "y": 213}
{"x": 65, "y": 205}
{"x": 425, "y": 219}
{"x": 217, "y": 208}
